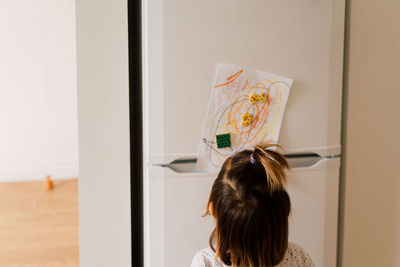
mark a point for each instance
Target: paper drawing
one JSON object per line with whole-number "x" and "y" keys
{"x": 246, "y": 108}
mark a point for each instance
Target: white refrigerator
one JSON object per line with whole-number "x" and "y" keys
{"x": 183, "y": 42}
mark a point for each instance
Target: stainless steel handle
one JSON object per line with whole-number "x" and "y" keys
{"x": 182, "y": 165}
{"x": 303, "y": 160}
{"x": 188, "y": 165}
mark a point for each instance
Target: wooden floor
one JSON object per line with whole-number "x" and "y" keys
{"x": 39, "y": 227}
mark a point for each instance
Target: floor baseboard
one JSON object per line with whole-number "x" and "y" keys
{"x": 33, "y": 171}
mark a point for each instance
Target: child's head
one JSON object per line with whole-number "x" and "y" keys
{"x": 251, "y": 207}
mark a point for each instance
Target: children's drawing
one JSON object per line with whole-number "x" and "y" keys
{"x": 245, "y": 108}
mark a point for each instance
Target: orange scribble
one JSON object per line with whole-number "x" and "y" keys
{"x": 261, "y": 110}
{"x": 230, "y": 79}
{"x": 259, "y": 120}
{"x": 245, "y": 85}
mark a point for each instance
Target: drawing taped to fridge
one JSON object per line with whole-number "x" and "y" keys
{"x": 245, "y": 108}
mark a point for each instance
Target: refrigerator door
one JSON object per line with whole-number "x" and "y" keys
{"x": 314, "y": 194}
{"x": 178, "y": 201}
{"x": 177, "y": 228}
{"x": 185, "y": 39}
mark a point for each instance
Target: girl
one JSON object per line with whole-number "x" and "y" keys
{"x": 251, "y": 208}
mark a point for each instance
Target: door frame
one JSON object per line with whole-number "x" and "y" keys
{"x": 136, "y": 129}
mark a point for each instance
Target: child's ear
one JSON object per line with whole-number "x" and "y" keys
{"x": 211, "y": 209}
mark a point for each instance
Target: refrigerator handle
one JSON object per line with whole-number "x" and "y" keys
{"x": 296, "y": 161}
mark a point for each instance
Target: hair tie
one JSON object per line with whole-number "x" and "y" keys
{"x": 252, "y": 159}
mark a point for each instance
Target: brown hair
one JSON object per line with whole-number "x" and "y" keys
{"x": 251, "y": 207}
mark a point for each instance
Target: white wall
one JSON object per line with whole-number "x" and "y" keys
{"x": 38, "y": 116}
{"x": 372, "y": 135}
{"x": 104, "y": 147}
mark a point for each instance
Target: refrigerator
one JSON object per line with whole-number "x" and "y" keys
{"x": 183, "y": 41}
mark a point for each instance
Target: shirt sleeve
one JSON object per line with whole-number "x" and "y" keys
{"x": 198, "y": 261}
{"x": 301, "y": 257}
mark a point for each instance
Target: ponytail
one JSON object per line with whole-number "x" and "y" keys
{"x": 274, "y": 164}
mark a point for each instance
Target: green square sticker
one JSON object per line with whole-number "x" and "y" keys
{"x": 223, "y": 140}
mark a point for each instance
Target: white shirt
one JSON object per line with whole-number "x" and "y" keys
{"x": 295, "y": 256}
